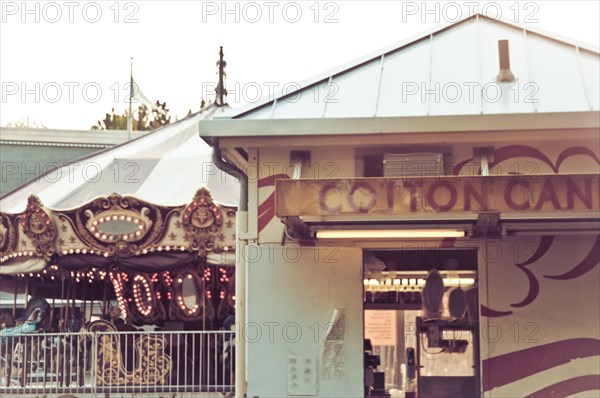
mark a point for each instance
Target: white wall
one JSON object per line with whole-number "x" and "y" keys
{"x": 295, "y": 289}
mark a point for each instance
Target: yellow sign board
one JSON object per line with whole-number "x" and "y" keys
{"x": 438, "y": 194}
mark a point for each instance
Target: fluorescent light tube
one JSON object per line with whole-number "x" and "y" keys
{"x": 388, "y": 233}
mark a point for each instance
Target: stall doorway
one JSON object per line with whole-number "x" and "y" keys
{"x": 409, "y": 349}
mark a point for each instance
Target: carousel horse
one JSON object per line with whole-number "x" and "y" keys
{"x": 14, "y": 350}
{"x": 36, "y": 311}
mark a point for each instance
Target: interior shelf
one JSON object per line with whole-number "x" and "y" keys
{"x": 392, "y": 306}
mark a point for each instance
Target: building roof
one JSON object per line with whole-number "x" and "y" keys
{"x": 165, "y": 167}
{"x": 448, "y": 71}
{"x": 64, "y": 138}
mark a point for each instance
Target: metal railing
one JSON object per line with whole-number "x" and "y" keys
{"x": 117, "y": 362}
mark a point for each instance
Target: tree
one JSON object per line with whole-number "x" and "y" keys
{"x": 142, "y": 119}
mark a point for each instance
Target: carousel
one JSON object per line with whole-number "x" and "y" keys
{"x": 121, "y": 294}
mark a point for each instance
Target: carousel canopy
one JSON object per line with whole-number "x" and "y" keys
{"x": 152, "y": 204}
{"x": 165, "y": 167}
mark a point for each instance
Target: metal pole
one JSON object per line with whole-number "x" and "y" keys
{"x": 53, "y": 306}
{"x": 240, "y": 304}
{"x": 14, "y": 309}
{"x": 104, "y": 307}
{"x": 129, "y": 115}
{"x": 26, "y": 291}
{"x": 62, "y": 302}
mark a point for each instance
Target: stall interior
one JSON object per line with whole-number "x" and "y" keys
{"x": 421, "y": 326}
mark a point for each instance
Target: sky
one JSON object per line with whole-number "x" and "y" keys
{"x": 64, "y": 64}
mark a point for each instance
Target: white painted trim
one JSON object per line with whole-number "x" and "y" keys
{"x": 388, "y": 125}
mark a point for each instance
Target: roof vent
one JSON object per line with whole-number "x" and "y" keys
{"x": 505, "y": 75}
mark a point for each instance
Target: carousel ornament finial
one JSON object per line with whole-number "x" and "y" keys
{"x": 220, "y": 90}
{"x": 39, "y": 227}
{"x": 34, "y": 200}
{"x": 202, "y": 221}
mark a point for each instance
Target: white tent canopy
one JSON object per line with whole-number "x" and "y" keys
{"x": 165, "y": 167}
